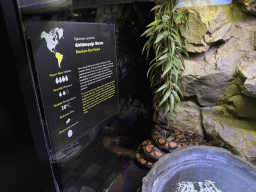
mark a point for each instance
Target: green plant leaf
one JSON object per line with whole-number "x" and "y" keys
{"x": 173, "y": 47}
{"x": 167, "y": 108}
{"x": 182, "y": 61}
{"x": 176, "y": 96}
{"x": 172, "y": 103}
{"x": 177, "y": 88}
{"x": 165, "y": 18}
{"x": 166, "y": 49}
{"x": 167, "y": 94}
{"x": 147, "y": 54}
{"x": 177, "y": 64}
{"x": 178, "y": 17}
{"x": 177, "y": 39}
{"x": 174, "y": 9}
{"x": 176, "y": 76}
{"x": 175, "y": 31}
{"x": 148, "y": 44}
{"x": 154, "y": 84}
{"x": 147, "y": 31}
{"x": 150, "y": 34}
{"x": 156, "y": 64}
{"x": 167, "y": 69}
{"x": 152, "y": 61}
{"x": 170, "y": 40}
{"x": 158, "y": 55}
{"x": 154, "y": 23}
{"x": 151, "y": 68}
{"x": 185, "y": 52}
{"x": 156, "y": 7}
{"x": 159, "y": 27}
{"x": 157, "y": 51}
{"x": 153, "y": 77}
{"x": 163, "y": 86}
{"x": 163, "y": 57}
{"x": 161, "y": 36}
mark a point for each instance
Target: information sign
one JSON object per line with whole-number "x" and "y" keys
{"x": 76, "y": 68}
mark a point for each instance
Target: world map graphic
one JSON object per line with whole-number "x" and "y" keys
{"x": 52, "y": 40}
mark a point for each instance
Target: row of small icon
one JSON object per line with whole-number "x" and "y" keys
{"x": 61, "y": 79}
{"x": 64, "y": 92}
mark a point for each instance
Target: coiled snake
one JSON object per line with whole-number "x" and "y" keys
{"x": 164, "y": 140}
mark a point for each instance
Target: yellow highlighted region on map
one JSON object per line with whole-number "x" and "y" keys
{"x": 59, "y": 57}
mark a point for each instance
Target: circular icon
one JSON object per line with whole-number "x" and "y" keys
{"x": 57, "y": 80}
{"x": 60, "y": 80}
{"x": 63, "y": 79}
{"x": 70, "y": 133}
{"x": 60, "y": 94}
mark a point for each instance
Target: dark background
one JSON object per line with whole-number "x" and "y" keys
{"x": 24, "y": 165}
{"x": 19, "y": 167}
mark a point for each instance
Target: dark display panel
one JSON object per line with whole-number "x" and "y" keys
{"x": 76, "y": 67}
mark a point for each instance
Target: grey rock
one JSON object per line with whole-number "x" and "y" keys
{"x": 248, "y": 71}
{"x": 188, "y": 117}
{"x": 220, "y": 29}
{"x": 210, "y": 88}
{"x": 207, "y": 86}
{"x": 194, "y": 37}
{"x": 242, "y": 106}
{"x": 245, "y": 37}
{"x": 208, "y": 75}
{"x": 228, "y": 57}
{"x": 240, "y": 134}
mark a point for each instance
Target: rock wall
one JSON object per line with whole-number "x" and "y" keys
{"x": 220, "y": 83}
{"x": 220, "y": 77}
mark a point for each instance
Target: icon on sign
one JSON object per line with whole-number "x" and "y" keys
{"x": 68, "y": 121}
{"x": 64, "y": 92}
{"x": 63, "y": 107}
{"x": 61, "y": 79}
{"x": 70, "y": 133}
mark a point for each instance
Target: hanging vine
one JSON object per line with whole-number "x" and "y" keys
{"x": 165, "y": 70}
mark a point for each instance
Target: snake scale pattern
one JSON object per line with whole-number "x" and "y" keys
{"x": 152, "y": 150}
